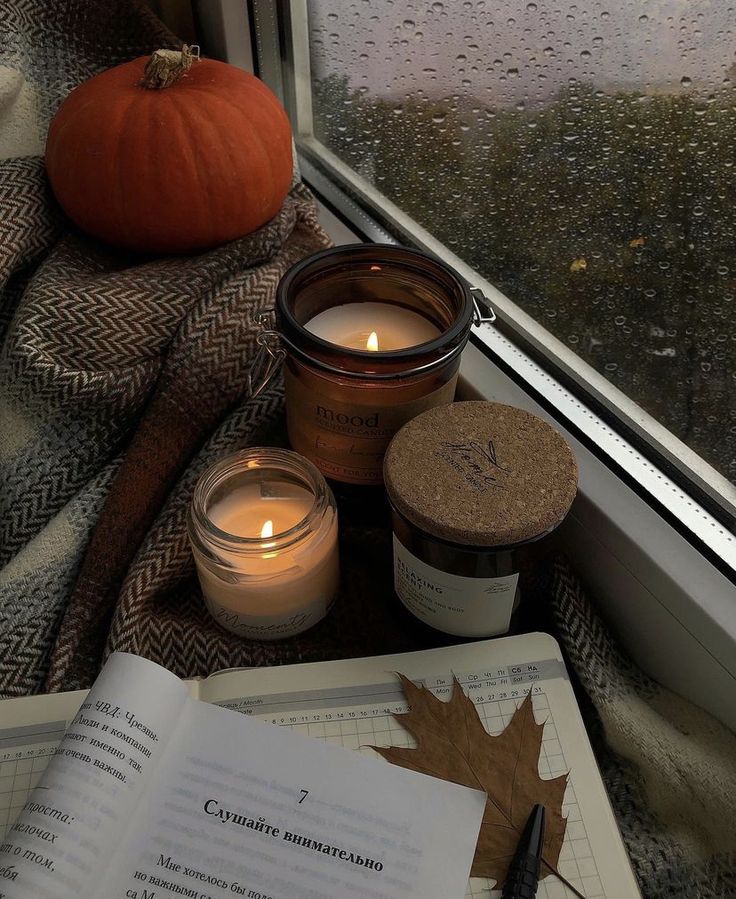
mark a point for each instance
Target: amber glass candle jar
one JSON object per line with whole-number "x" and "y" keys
{"x": 372, "y": 337}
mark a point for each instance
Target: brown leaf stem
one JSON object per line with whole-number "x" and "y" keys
{"x": 562, "y": 879}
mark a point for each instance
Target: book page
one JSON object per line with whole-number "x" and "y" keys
{"x": 239, "y": 807}
{"x": 67, "y": 830}
{"x": 352, "y": 703}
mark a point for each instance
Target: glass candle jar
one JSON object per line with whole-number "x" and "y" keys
{"x": 472, "y": 486}
{"x": 372, "y": 337}
{"x": 263, "y": 530}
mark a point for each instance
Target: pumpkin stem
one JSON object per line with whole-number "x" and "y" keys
{"x": 165, "y": 67}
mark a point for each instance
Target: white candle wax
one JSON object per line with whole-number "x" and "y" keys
{"x": 271, "y": 591}
{"x": 372, "y": 326}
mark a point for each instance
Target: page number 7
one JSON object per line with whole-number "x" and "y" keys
{"x": 304, "y": 793}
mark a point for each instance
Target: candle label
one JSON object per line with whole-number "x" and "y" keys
{"x": 345, "y": 438}
{"x": 464, "y": 606}
{"x": 269, "y": 627}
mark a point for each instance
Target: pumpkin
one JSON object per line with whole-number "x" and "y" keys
{"x": 170, "y": 154}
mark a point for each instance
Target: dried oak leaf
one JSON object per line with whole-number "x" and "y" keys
{"x": 453, "y": 744}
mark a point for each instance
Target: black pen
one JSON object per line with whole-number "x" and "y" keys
{"x": 521, "y": 881}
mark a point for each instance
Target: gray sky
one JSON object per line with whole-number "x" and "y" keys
{"x": 507, "y": 51}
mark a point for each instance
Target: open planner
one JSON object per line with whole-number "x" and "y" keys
{"x": 348, "y": 703}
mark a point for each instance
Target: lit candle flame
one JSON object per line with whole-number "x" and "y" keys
{"x": 267, "y": 531}
{"x": 372, "y": 342}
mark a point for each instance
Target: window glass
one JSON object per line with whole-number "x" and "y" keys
{"x": 580, "y": 155}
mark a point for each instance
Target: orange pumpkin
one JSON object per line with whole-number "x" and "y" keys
{"x": 167, "y": 154}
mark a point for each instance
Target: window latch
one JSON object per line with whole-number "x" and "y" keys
{"x": 482, "y": 310}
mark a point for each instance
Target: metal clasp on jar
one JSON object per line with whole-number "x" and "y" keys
{"x": 269, "y": 357}
{"x": 482, "y": 310}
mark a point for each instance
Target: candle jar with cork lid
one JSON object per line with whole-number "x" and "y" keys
{"x": 472, "y": 486}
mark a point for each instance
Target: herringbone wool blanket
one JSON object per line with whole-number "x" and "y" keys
{"x": 122, "y": 378}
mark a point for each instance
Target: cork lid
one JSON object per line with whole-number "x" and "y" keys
{"x": 481, "y": 474}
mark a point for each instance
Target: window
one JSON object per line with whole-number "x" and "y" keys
{"x": 579, "y": 156}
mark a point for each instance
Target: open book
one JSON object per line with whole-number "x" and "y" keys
{"x": 164, "y": 796}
